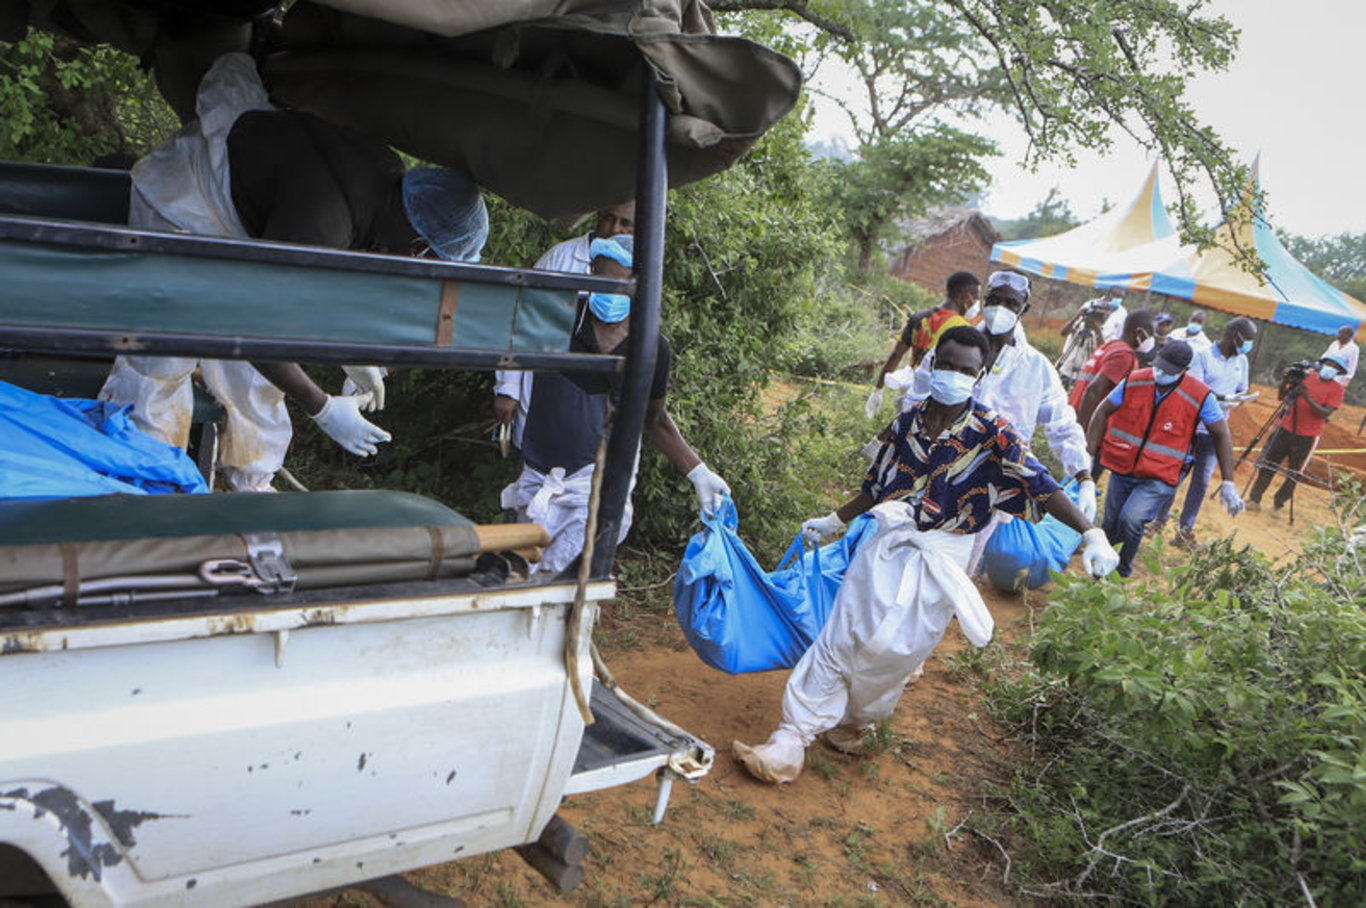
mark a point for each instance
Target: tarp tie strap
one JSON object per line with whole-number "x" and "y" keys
{"x": 71, "y": 574}
{"x": 438, "y": 551}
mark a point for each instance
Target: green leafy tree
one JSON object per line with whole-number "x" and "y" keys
{"x": 1340, "y": 260}
{"x": 1050, "y": 216}
{"x": 64, "y": 103}
{"x": 1074, "y": 73}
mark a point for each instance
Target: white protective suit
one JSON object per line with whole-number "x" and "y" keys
{"x": 184, "y": 186}
{"x": 898, "y": 596}
{"x": 570, "y": 256}
{"x": 1022, "y": 386}
{"x": 560, "y": 504}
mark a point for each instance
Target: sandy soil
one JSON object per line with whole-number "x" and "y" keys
{"x": 851, "y": 830}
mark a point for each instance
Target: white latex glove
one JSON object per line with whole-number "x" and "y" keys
{"x": 710, "y": 488}
{"x": 340, "y": 418}
{"x": 818, "y": 528}
{"x": 1228, "y": 497}
{"x": 873, "y": 403}
{"x": 365, "y": 380}
{"x": 1086, "y": 499}
{"x": 1098, "y": 557}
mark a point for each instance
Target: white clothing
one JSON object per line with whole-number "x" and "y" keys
{"x": 1347, "y": 354}
{"x": 1225, "y": 377}
{"x": 571, "y": 256}
{"x": 184, "y": 185}
{"x": 1197, "y": 342}
{"x": 1114, "y": 324}
{"x": 1022, "y": 386}
{"x": 560, "y": 504}
{"x": 898, "y": 596}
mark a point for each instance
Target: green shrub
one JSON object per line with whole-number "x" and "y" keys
{"x": 1199, "y": 738}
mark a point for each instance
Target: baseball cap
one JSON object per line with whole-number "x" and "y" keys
{"x": 1175, "y": 356}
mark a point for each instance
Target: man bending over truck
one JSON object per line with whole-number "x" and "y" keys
{"x": 568, "y": 415}
{"x": 246, "y": 169}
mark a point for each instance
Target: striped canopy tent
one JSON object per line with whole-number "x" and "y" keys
{"x": 1080, "y": 255}
{"x": 1284, "y": 293}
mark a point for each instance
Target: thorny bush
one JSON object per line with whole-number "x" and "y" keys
{"x": 1198, "y": 737}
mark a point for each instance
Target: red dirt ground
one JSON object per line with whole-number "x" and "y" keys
{"x": 850, "y": 831}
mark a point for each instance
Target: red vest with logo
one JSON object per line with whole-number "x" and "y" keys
{"x": 1089, "y": 373}
{"x": 1149, "y": 439}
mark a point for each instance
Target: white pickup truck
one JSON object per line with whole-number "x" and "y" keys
{"x": 232, "y": 699}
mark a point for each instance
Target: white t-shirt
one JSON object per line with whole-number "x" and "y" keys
{"x": 1347, "y": 354}
{"x": 1197, "y": 342}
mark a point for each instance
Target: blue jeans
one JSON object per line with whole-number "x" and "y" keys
{"x": 1129, "y": 504}
{"x": 1200, "y": 471}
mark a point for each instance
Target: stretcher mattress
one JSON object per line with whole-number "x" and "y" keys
{"x": 327, "y": 539}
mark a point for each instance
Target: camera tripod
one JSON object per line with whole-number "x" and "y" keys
{"x": 1287, "y": 403}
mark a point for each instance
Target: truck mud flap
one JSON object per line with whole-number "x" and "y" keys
{"x": 627, "y": 741}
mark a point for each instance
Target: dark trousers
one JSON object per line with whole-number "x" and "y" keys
{"x": 1281, "y": 446}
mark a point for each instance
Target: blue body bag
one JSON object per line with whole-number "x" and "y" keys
{"x": 740, "y": 618}
{"x": 1020, "y": 554}
{"x": 53, "y": 448}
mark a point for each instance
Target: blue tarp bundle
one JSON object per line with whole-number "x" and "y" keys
{"x": 54, "y": 448}
{"x": 740, "y": 618}
{"x": 1020, "y": 554}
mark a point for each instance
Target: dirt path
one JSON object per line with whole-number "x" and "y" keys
{"x": 850, "y": 831}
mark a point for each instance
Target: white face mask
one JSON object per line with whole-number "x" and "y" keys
{"x": 999, "y": 319}
{"x": 975, "y": 308}
{"x": 1147, "y": 344}
{"x": 951, "y": 388}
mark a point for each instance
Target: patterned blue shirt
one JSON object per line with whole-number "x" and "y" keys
{"x": 954, "y": 482}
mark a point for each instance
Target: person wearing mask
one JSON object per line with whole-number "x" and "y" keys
{"x": 1344, "y": 350}
{"x": 568, "y": 416}
{"x": 1142, "y": 433}
{"x": 924, "y": 328}
{"x": 512, "y": 387}
{"x": 1194, "y": 332}
{"x": 1114, "y": 323}
{"x": 1223, "y": 367}
{"x": 1308, "y": 404}
{"x": 1111, "y": 363}
{"x": 946, "y": 464}
{"x": 246, "y": 169}
{"x": 1019, "y": 383}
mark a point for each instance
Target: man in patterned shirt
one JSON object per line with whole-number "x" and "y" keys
{"x": 945, "y": 465}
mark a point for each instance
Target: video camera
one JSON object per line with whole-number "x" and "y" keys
{"x": 1293, "y": 376}
{"x": 1096, "y": 312}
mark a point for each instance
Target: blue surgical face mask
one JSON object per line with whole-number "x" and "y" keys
{"x": 1166, "y": 378}
{"x": 951, "y": 388}
{"x": 609, "y": 307}
{"x": 1245, "y": 347}
{"x": 1194, "y": 328}
{"x": 1327, "y": 373}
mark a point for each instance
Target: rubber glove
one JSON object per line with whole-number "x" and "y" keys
{"x": 1098, "y": 557}
{"x": 365, "y": 380}
{"x": 873, "y": 403}
{"x": 818, "y": 528}
{"x": 710, "y": 488}
{"x": 1086, "y": 499}
{"x": 340, "y": 418}
{"x": 1228, "y": 497}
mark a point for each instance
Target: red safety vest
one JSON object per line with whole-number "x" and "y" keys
{"x": 1089, "y": 373}
{"x": 1150, "y": 440}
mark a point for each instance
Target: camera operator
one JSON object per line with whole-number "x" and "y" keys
{"x": 1310, "y": 394}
